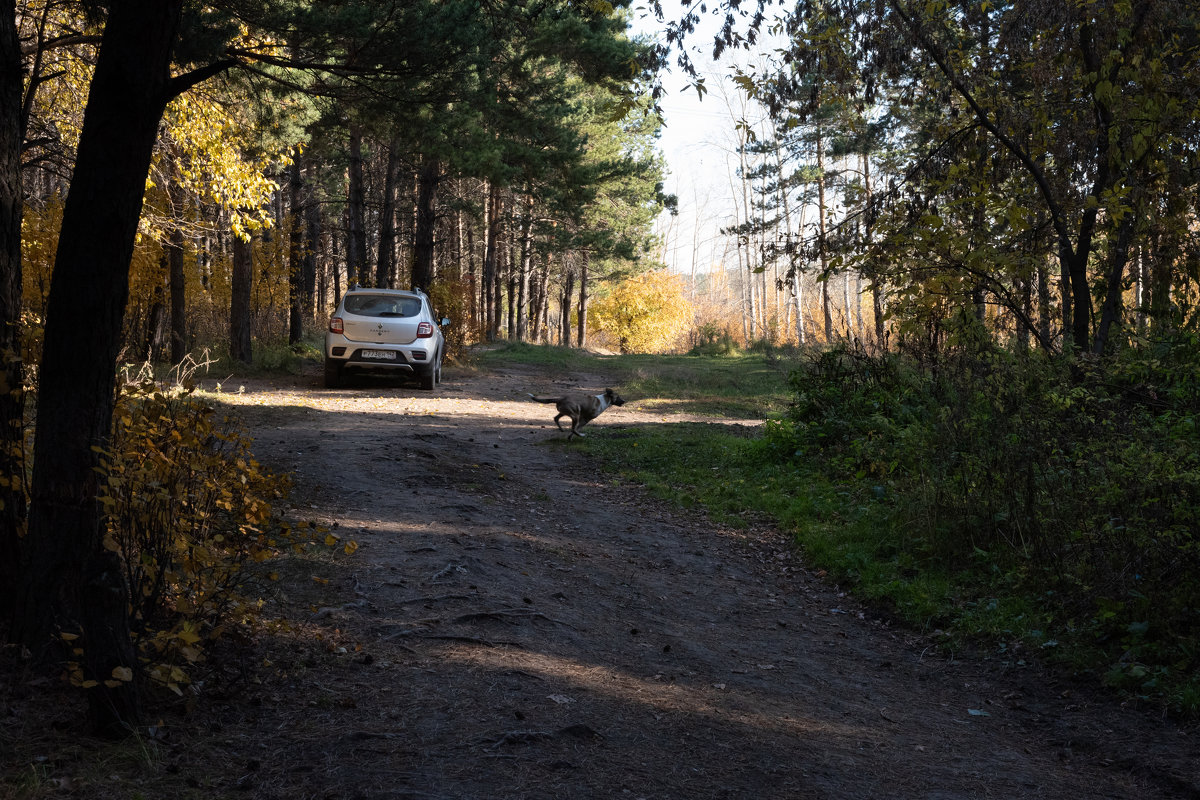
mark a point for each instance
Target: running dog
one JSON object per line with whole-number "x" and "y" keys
{"x": 581, "y": 408}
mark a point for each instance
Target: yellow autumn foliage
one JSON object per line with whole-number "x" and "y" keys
{"x": 202, "y": 152}
{"x": 648, "y": 313}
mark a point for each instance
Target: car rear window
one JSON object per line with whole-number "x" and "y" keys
{"x": 374, "y": 305}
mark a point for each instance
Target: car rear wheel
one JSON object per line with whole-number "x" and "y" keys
{"x": 333, "y": 374}
{"x": 433, "y": 377}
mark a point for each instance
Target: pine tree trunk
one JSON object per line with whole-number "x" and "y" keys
{"x": 295, "y": 251}
{"x": 568, "y": 296}
{"x": 68, "y": 577}
{"x": 427, "y": 186}
{"x": 583, "y": 301}
{"x": 490, "y": 256}
{"x": 385, "y": 263}
{"x": 498, "y": 282}
{"x": 310, "y": 263}
{"x": 540, "y": 315}
{"x": 472, "y": 275}
{"x": 241, "y": 286}
{"x": 522, "y": 268}
{"x": 511, "y": 264}
{"x": 335, "y": 268}
{"x": 356, "y": 238}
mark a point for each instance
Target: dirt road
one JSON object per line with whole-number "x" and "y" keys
{"x": 516, "y": 624}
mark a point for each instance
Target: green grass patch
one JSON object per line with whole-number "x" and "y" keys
{"x": 733, "y": 386}
{"x": 272, "y": 358}
{"x": 555, "y": 359}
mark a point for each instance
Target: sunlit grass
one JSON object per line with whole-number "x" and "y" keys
{"x": 735, "y": 386}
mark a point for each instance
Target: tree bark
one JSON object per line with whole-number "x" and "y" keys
{"x": 541, "y": 302}
{"x": 567, "y": 296}
{"x": 523, "y": 268}
{"x": 356, "y": 238}
{"x": 427, "y": 186}
{"x": 472, "y": 274}
{"x": 12, "y": 399}
{"x": 67, "y": 577}
{"x": 497, "y": 278}
{"x": 385, "y": 269}
{"x": 335, "y": 268}
{"x": 511, "y": 265}
{"x": 491, "y": 253}
{"x": 583, "y": 301}
{"x": 312, "y": 246}
{"x": 295, "y": 251}
{"x": 241, "y": 286}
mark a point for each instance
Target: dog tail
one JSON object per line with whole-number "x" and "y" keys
{"x": 544, "y": 399}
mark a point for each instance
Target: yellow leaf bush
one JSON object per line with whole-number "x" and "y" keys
{"x": 648, "y": 313}
{"x": 187, "y": 507}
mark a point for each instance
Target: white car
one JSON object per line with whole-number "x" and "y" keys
{"x": 387, "y": 330}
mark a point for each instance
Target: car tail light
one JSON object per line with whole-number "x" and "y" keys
{"x": 425, "y": 329}
{"x": 335, "y": 325}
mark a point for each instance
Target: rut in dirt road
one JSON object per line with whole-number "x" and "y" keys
{"x": 517, "y": 625}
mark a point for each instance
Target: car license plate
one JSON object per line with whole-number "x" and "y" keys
{"x": 390, "y": 355}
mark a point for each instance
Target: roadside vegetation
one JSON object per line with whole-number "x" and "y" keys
{"x": 1001, "y": 504}
{"x": 989, "y": 428}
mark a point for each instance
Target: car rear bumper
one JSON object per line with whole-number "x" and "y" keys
{"x": 373, "y": 358}
{"x": 367, "y": 355}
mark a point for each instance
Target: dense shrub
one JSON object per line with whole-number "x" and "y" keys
{"x": 1080, "y": 486}
{"x": 451, "y": 298}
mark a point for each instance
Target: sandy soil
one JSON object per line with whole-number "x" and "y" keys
{"x": 516, "y": 624}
